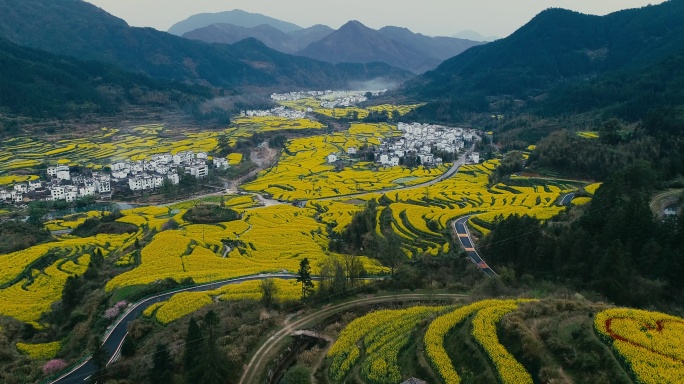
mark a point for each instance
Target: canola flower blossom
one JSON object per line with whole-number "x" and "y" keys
{"x": 493, "y": 311}
{"x": 650, "y": 343}
{"x": 383, "y": 333}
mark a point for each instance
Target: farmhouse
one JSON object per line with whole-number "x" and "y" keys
{"x": 63, "y": 173}
{"x": 199, "y": 170}
{"x": 221, "y": 163}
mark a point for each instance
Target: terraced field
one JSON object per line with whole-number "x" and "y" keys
{"x": 651, "y": 344}
{"x": 303, "y": 172}
{"x": 539, "y": 341}
{"x": 33, "y": 279}
{"x": 421, "y": 215}
{"x": 346, "y": 113}
{"x": 195, "y": 251}
{"x": 109, "y": 145}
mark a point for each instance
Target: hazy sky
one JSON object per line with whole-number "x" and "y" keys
{"x": 430, "y": 17}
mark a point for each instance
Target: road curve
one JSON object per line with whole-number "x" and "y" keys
{"x": 114, "y": 338}
{"x": 461, "y": 230}
{"x": 257, "y": 364}
{"x": 567, "y": 199}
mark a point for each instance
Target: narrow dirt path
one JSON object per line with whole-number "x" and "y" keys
{"x": 260, "y": 359}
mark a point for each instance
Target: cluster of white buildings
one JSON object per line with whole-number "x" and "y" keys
{"x": 343, "y": 102}
{"x": 150, "y": 174}
{"x": 294, "y": 96}
{"x": 62, "y": 185}
{"x": 143, "y": 175}
{"x": 422, "y": 140}
{"x": 277, "y": 112}
{"x": 345, "y": 99}
{"x": 328, "y": 99}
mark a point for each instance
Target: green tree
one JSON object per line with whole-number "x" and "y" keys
{"x": 277, "y": 141}
{"x": 354, "y": 269}
{"x": 388, "y": 250}
{"x": 298, "y": 374}
{"x": 214, "y": 367}
{"x": 97, "y": 259}
{"x": 128, "y": 347}
{"x": 610, "y": 132}
{"x": 269, "y": 290}
{"x": 194, "y": 343}
{"x": 168, "y": 189}
{"x": 161, "y": 366}
{"x": 187, "y": 183}
{"x": 99, "y": 358}
{"x": 304, "y": 277}
{"x": 223, "y": 146}
{"x": 71, "y": 293}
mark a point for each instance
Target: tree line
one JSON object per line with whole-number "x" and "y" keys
{"x": 617, "y": 247}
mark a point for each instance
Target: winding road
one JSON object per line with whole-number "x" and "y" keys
{"x": 461, "y": 230}
{"x": 116, "y": 334}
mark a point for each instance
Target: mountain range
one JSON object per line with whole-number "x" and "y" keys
{"x": 473, "y": 35}
{"x": 235, "y": 17}
{"x": 353, "y": 42}
{"x": 291, "y": 43}
{"x": 399, "y": 47}
{"x": 81, "y": 30}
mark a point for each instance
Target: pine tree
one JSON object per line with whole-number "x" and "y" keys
{"x": 304, "y": 277}
{"x": 193, "y": 345}
{"x": 161, "y": 366}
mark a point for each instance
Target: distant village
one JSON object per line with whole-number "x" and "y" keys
{"x": 277, "y": 112}
{"x": 329, "y": 99}
{"x": 420, "y": 141}
{"x": 338, "y": 99}
{"x": 63, "y": 184}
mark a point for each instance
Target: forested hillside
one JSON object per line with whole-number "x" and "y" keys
{"x": 39, "y": 84}
{"x": 79, "y": 29}
{"x": 616, "y": 248}
{"x": 560, "y": 48}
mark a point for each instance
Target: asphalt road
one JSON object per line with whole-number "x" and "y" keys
{"x": 567, "y": 199}
{"x": 466, "y": 240}
{"x": 116, "y": 335}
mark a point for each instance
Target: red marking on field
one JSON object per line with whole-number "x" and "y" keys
{"x": 660, "y": 325}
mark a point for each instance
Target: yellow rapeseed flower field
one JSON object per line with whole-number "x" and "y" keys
{"x": 44, "y": 351}
{"x": 438, "y": 329}
{"x": 651, "y": 343}
{"x": 383, "y": 334}
{"x": 185, "y": 303}
{"x": 196, "y": 251}
{"x": 109, "y": 145}
{"x": 304, "y": 173}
